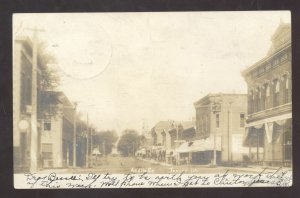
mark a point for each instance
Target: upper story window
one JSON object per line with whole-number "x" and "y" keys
{"x": 267, "y": 90}
{"x": 258, "y": 99}
{"x": 267, "y": 96}
{"x": 276, "y": 93}
{"x": 277, "y": 87}
{"x": 268, "y": 66}
{"x": 250, "y": 102}
{"x": 217, "y": 120}
{"x": 283, "y": 57}
{"x": 47, "y": 125}
{"x": 242, "y": 120}
{"x": 285, "y": 89}
{"x": 275, "y": 61}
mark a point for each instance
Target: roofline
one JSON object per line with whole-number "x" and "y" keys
{"x": 265, "y": 59}
{"x": 218, "y": 94}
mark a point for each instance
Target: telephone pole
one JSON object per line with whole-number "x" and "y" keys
{"x": 87, "y": 141}
{"x": 34, "y": 133}
{"x": 74, "y": 137}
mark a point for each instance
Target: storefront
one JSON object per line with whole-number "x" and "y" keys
{"x": 271, "y": 140}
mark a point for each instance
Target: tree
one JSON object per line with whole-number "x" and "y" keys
{"x": 48, "y": 80}
{"x": 105, "y": 141}
{"x": 129, "y": 142}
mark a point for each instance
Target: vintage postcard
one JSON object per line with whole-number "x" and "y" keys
{"x": 152, "y": 99}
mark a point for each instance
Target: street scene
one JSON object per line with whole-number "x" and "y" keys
{"x": 157, "y": 93}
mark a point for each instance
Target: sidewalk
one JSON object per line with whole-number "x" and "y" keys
{"x": 258, "y": 169}
{"x": 248, "y": 169}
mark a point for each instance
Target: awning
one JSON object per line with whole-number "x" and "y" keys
{"x": 272, "y": 119}
{"x": 200, "y": 145}
{"x": 268, "y": 127}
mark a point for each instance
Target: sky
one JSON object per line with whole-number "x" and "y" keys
{"x": 129, "y": 70}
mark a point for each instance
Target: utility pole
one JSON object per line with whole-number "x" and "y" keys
{"x": 74, "y": 137}
{"x": 34, "y": 133}
{"x": 228, "y": 132}
{"x": 87, "y": 141}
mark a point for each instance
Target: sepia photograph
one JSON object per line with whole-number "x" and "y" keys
{"x": 152, "y": 99}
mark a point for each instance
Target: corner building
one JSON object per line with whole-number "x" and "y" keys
{"x": 269, "y": 121}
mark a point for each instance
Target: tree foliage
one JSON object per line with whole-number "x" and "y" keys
{"x": 105, "y": 141}
{"x": 48, "y": 81}
{"x": 130, "y": 142}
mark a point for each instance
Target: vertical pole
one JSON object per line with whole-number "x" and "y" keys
{"x": 33, "y": 137}
{"x": 215, "y": 151}
{"x": 74, "y": 138}
{"x": 228, "y": 135}
{"x": 283, "y": 145}
{"x": 257, "y": 148}
{"x": 91, "y": 146}
{"x": 104, "y": 149}
{"x": 68, "y": 162}
{"x": 87, "y": 141}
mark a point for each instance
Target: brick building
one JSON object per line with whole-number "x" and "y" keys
{"x": 221, "y": 119}
{"x": 22, "y": 85}
{"x": 269, "y": 122}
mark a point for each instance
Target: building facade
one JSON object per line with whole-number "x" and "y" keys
{"x": 22, "y": 102}
{"x": 169, "y": 133}
{"x": 221, "y": 118}
{"x": 57, "y": 133}
{"x": 51, "y": 130}
{"x": 269, "y": 121}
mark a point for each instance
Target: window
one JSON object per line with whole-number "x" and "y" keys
{"x": 267, "y": 97}
{"x": 202, "y": 123}
{"x": 258, "y": 100}
{"x": 275, "y": 62}
{"x": 276, "y": 92}
{"x": 285, "y": 89}
{"x": 250, "y": 101}
{"x": 217, "y": 120}
{"x": 261, "y": 70}
{"x": 268, "y": 66}
{"x": 262, "y": 98}
{"x": 47, "y": 151}
{"x": 284, "y": 57}
{"x": 47, "y": 125}
{"x": 206, "y": 123}
{"x": 242, "y": 120}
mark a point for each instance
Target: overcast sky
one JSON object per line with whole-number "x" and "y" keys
{"x": 124, "y": 68}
